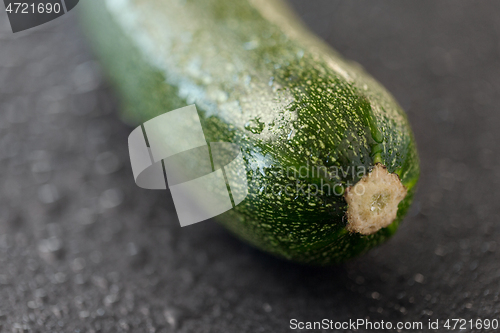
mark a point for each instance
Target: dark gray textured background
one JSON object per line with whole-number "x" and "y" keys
{"x": 82, "y": 249}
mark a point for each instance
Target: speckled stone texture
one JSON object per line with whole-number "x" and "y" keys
{"x": 83, "y": 249}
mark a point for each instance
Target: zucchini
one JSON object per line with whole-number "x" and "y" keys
{"x": 330, "y": 156}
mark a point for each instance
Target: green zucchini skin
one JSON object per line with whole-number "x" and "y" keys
{"x": 261, "y": 80}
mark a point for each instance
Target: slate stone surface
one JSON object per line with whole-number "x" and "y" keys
{"x": 82, "y": 249}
